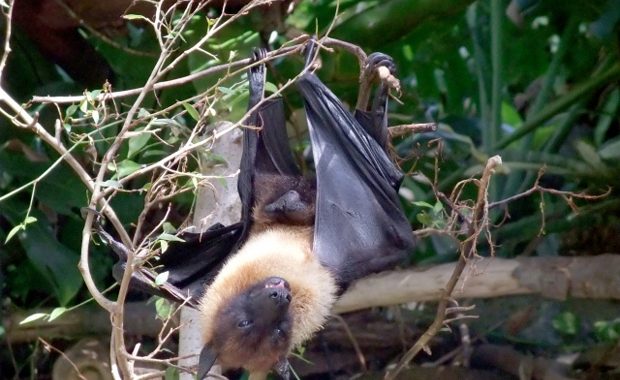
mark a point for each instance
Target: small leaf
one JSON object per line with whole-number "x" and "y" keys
{"x": 132, "y": 16}
{"x": 163, "y": 308}
{"x": 29, "y": 219}
{"x": 169, "y": 228}
{"x": 143, "y": 113}
{"x": 95, "y": 116}
{"x": 111, "y": 183}
{"x": 162, "y": 278}
{"x": 126, "y": 167}
{"x": 225, "y": 90}
{"x": 611, "y": 149}
{"x": 13, "y": 231}
{"x": 171, "y": 374}
{"x": 163, "y": 245}
{"x": 84, "y": 106}
{"x": 437, "y": 208}
{"x": 72, "y": 109}
{"x": 270, "y": 87}
{"x": 191, "y": 111}
{"x": 57, "y": 312}
{"x": 170, "y": 237}
{"x": 33, "y": 317}
{"x": 424, "y": 218}
{"x": 566, "y": 323}
{"x": 423, "y": 204}
{"x": 136, "y": 143}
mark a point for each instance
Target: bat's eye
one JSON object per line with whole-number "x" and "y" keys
{"x": 245, "y": 324}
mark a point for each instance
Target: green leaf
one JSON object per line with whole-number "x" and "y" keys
{"x": 126, "y": 167}
{"x": 589, "y": 155}
{"x": 33, "y": 317}
{"x": 55, "y": 263}
{"x": 607, "y": 331}
{"x": 95, "y": 116}
{"x": 30, "y": 219}
{"x": 13, "y": 231}
{"x": 132, "y": 16}
{"x": 171, "y": 374}
{"x": 566, "y": 323}
{"x": 57, "y": 312}
{"x": 162, "y": 278}
{"x": 136, "y": 143}
{"x": 191, "y": 111}
{"x": 437, "y": 208}
{"x": 608, "y": 114}
{"x": 610, "y": 150}
{"x": 164, "y": 308}
{"x": 169, "y": 237}
{"x": 425, "y": 218}
{"x": 72, "y": 109}
{"x": 423, "y": 204}
{"x": 169, "y": 228}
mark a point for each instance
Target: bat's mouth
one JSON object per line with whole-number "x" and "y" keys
{"x": 277, "y": 282}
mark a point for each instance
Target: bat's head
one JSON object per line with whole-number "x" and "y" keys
{"x": 253, "y": 330}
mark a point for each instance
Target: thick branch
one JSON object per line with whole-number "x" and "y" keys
{"x": 552, "y": 277}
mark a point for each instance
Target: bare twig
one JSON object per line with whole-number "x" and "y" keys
{"x": 403, "y": 129}
{"x": 8, "y": 14}
{"x": 52, "y": 348}
{"x": 479, "y": 220}
{"x": 537, "y": 188}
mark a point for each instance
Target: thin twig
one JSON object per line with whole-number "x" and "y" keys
{"x": 403, "y": 129}
{"x": 8, "y": 15}
{"x": 467, "y": 251}
{"x": 52, "y": 348}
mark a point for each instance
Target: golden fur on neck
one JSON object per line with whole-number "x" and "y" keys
{"x": 282, "y": 251}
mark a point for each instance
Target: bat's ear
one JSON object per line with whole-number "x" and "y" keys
{"x": 205, "y": 362}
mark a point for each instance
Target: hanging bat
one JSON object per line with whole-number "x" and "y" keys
{"x": 301, "y": 240}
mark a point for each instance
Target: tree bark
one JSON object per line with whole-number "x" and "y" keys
{"x": 552, "y": 277}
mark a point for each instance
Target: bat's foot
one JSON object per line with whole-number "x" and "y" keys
{"x": 374, "y": 62}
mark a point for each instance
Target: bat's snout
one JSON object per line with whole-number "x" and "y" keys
{"x": 279, "y": 290}
{"x": 277, "y": 282}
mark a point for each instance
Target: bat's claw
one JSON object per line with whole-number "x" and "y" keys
{"x": 376, "y": 60}
{"x": 257, "y": 76}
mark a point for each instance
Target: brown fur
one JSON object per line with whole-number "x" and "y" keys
{"x": 281, "y": 251}
{"x": 270, "y": 187}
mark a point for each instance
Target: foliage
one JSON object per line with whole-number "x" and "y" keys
{"x": 534, "y": 81}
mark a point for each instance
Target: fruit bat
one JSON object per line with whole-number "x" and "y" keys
{"x": 266, "y": 284}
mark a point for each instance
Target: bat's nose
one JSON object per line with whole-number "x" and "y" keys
{"x": 277, "y": 282}
{"x": 279, "y": 290}
{"x": 280, "y": 295}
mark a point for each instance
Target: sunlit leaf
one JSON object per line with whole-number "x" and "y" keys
{"x": 162, "y": 278}
{"x": 33, "y": 317}
{"x": 57, "y": 312}
{"x": 13, "y": 231}
{"x": 169, "y": 237}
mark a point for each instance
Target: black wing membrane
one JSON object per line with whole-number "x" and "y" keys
{"x": 360, "y": 227}
{"x": 266, "y": 148}
{"x": 193, "y": 263}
